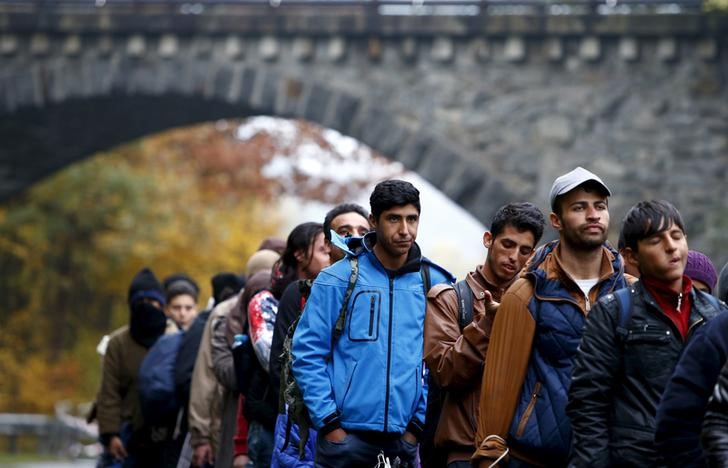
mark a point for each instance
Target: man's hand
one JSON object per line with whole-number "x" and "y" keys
{"x": 337, "y": 435}
{"x": 116, "y": 448}
{"x": 202, "y": 455}
{"x": 409, "y": 438}
{"x": 241, "y": 461}
{"x": 491, "y": 307}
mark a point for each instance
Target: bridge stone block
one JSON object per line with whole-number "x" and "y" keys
{"x": 408, "y": 49}
{"x": 481, "y": 50}
{"x": 629, "y": 49}
{"x": 136, "y": 46}
{"x": 590, "y": 48}
{"x": 304, "y": 48}
{"x": 40, "y": 44}
{"x": 268, "y": 48}
{"x": 375, "y": 49}
{"x": 707, "y": 49}
{"x": 344, "y": 109}
{"x": 105, "y": 45}
{"x": 443, "y": 50}
{"x": 201, "y": 47}
{"x": 72, "y": 45}
{"x": 514, "y": 49}
{"x": 336, "y": 49}
{"x": 667, "y": 49}
{"x": 168, "y": 46}
{"x": 8, "y": 44}
{"x": 555, "y": 129}
{"x": 265, "y": 91}
{"x": 554, "y": 49}
{"x": 317, "y": 103}
{"x": 233, "y": 48}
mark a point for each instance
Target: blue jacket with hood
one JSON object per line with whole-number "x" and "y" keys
{"x": 370, "y": 378}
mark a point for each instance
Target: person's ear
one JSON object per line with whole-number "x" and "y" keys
{"x": 631, "y": 257}
{"x": 300, "y": 255}
{"x": 372, "y": 221}
{"x": 487, "y": 239}
{"x": 555, "y": 221}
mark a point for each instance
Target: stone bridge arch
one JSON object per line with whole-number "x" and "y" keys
{"x": 62, "y": 109}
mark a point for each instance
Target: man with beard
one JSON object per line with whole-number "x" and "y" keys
{"x": 121, "y": 426}
{"x": 538, "y": 327}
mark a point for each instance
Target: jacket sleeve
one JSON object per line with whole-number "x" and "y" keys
{"x": 289, "y": 309}
{"x": 110, "y": 397}
{"x": 596, "y": 369}
{"x": 202, "y": 390}
{"x": 222, "y": 356}
{"x": 506, "y": 360}
{"x": 455, "y": 358}
{"x": 683, "y": 404}
{"x": 262, "y": 311}
{"x": 715, "y": 426}
{"x": 311, "y": 351}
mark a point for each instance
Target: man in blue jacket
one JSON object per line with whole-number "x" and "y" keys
{"x": 362, "y": 377}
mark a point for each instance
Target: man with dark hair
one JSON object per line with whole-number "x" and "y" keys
{"x": 360, "y": 366}
{"x": 181, "y": 295}
{"x": 631, "y": 343}
{"x": 538, "y": 327}
{"x": 455, "y": 355}
{"x": 345, "y": 220}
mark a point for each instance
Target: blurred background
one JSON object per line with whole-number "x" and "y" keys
{"x": 180, "y": 134}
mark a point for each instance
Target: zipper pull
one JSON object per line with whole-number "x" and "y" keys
{"x": 679, "y": 301}
{"x": 588, "y": 305}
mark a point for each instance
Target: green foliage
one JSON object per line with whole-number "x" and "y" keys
{"x": 70, "y": 245}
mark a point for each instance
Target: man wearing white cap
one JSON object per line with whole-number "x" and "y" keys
{"x": 538, "y": 328}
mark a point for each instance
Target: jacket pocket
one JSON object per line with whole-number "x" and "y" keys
{"x": 529, "y": 409}
{"x": 364, "y": 316}
{"x": 648, "y": 352}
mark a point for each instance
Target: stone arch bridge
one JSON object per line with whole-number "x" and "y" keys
{"x": 489, "y": 102}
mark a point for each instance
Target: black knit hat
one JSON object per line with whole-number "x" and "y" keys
{"x": 145, "y": 284}
{"x": 225, "y": 285}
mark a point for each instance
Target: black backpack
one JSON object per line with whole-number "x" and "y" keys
{"x": 435, "y": 457}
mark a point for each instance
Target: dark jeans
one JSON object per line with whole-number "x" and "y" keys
{"x": 356, "y": 451}
{"x": 260, "y": 445}
{"x": 459, "y": 464}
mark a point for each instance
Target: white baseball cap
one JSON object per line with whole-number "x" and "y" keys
{"x": 569, "y": 181}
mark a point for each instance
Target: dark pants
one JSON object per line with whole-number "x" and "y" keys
{"x": 260, "y": 445}
{"x": 459, "y": 464}
{"x": 357, "y": 451}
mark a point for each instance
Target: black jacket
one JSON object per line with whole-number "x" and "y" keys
{"x": 619, "y": 376}
{"x": 682, "y": 408}
{"x": 715, "y": 426}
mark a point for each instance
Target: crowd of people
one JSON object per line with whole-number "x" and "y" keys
{"x": 345, "y": 346}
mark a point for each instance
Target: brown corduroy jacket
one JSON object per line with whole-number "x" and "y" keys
{"x": 455, "y": 358}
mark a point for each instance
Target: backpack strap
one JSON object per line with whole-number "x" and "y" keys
{"x": 465, "y": 303}
{"x": 624, "y": 310}
{"x": 354, "y": 262}
{"x": 425, "y": 274}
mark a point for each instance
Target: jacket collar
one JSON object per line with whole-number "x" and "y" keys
{"x": 479, "y": 283}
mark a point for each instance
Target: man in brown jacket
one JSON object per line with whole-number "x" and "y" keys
{"x": 455, "y": 355}
{"x": 121, "y": 426}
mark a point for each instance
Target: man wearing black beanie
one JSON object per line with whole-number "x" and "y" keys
{"x": 119, "y": 414}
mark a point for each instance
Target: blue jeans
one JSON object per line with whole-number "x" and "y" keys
{"x": 354, "y": 451}
{"x": 260, "y": 445}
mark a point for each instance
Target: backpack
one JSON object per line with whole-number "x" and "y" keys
{"x": 431, "y": 456}
{"x": 291, "y": 397}
{"x": 156, "y": 384}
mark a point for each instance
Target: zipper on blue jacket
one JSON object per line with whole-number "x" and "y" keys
{"x": 389, "y": 353}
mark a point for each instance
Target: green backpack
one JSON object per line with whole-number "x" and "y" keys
{"x": 291, "y": 399}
